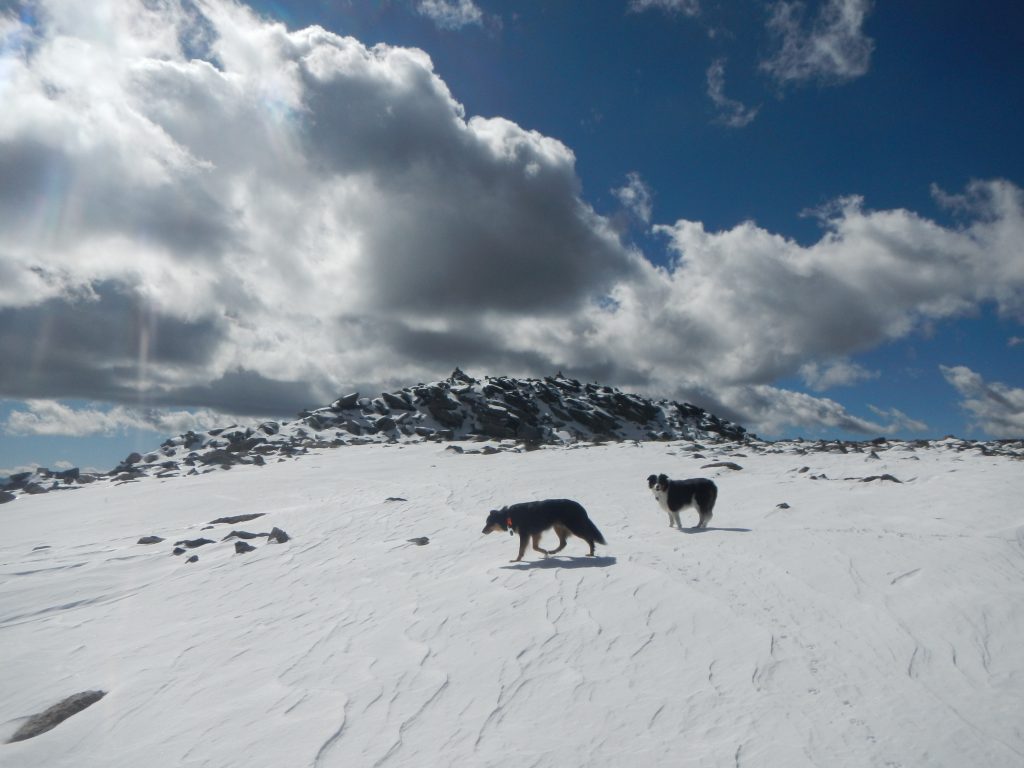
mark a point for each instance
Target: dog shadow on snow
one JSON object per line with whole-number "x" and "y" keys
{"x": 709, "y": 530}
{"x": 600, "y": 561}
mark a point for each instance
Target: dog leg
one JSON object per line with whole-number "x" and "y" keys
{"x": 679, "y": 524}
{"x": 523, "y": 538}
{"x": 536, "y": 545}
{"x": 562, "y": 534}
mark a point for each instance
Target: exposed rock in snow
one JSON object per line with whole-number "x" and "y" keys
{"x": 510, "y": 414}
{"x": 53, "y": 716}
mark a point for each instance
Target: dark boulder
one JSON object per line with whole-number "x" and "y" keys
{"x": 68, "y": 476}
{"x": 150, "y": 540}
{"x": 384, "y": 424}
{"x": 724, "y": 464}
{"x": 50, "y": 718}
{"x": 241, "y": 547}
{"x": 276, "y": 534}
{"x": 235, "y": 519}
{"x": 219, "y": 456}
{"x": 193, "y": 543}
{"x": 346, "y": 402}
{"x": 243, "y": 535}
{"x": 398, "y": 402}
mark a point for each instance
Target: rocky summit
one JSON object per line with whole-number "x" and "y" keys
{"x": 509, "y": 414}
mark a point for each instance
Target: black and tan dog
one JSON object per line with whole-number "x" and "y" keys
{"x": 531, "y": 518}
{"x": 676, "y": 495}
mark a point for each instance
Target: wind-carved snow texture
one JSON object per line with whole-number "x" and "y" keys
{"x": 863, "y": 623}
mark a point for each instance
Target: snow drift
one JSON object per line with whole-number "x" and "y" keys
{"x": 827, "y": 617}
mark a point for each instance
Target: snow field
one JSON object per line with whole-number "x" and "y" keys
{"x": 869, "y": 624}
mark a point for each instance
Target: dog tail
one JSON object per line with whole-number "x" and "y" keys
{"x": 712, "y": 498}
{"x": 591, "y": 530}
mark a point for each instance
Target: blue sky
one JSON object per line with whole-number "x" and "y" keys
{"x": 805, "y": 216}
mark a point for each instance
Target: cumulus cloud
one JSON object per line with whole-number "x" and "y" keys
{"x": 685, "y": 7}
{"x": 773, "y": 410}
{"x": 48, "y": 417}
{"x": 188, "y": 190}
{"x": 830, "y": 48}
{"x": 836, "y": 373}
{"x": 996, "y": 408}
{"x": 451, "y": 14}
{"x": 201, "y": 208}
{"x": 730, "y": 112}
{"x": 635, "y": 197}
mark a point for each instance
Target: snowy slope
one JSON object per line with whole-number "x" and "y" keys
{"x": 868, "y": 624}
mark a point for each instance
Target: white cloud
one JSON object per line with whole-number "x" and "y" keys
{"x": 996, "y": 408}
{"x": 730, "y": 112}
{"x": 290, "y": 204}
{"x": 451, "y": 14}
{"x": 685, "y": 7}
{"x": 836, "y": 373}
{"x": 1014, "y": 341}
{"x": 48, "y": 417}
{"x": 831, "y": 48}
{"x": 202, "y": 208}
{"x": 774, "y": 410}
{"x": 898, "y": 421}
{"x": 635, "y": 197}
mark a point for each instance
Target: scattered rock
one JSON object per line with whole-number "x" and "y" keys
{"x": 395, "y": 498}
{"x": 193, "y": 559}
{"x": 783, "y": 505}
{"x": 886, "y": 477}
{"x": 150, "y": 540}
{"x": 235, "y": 519}
{"x": 276, "y": 534}
{"x": 50, "y": 718}
{"x": 178, "y": 551}
{"x": 725, "y": 464}
{"x": 192, "y": 543}
{"x": 241, "y": 547}
{"x": 243, "y": 535}
{"x": 419, "y": 541}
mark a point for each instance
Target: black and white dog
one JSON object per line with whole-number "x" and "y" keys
{"x": 676, "y": 495}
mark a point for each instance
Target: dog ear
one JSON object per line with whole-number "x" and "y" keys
{"x": 663, "y": 479}
{"x": 651, "y": 480}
